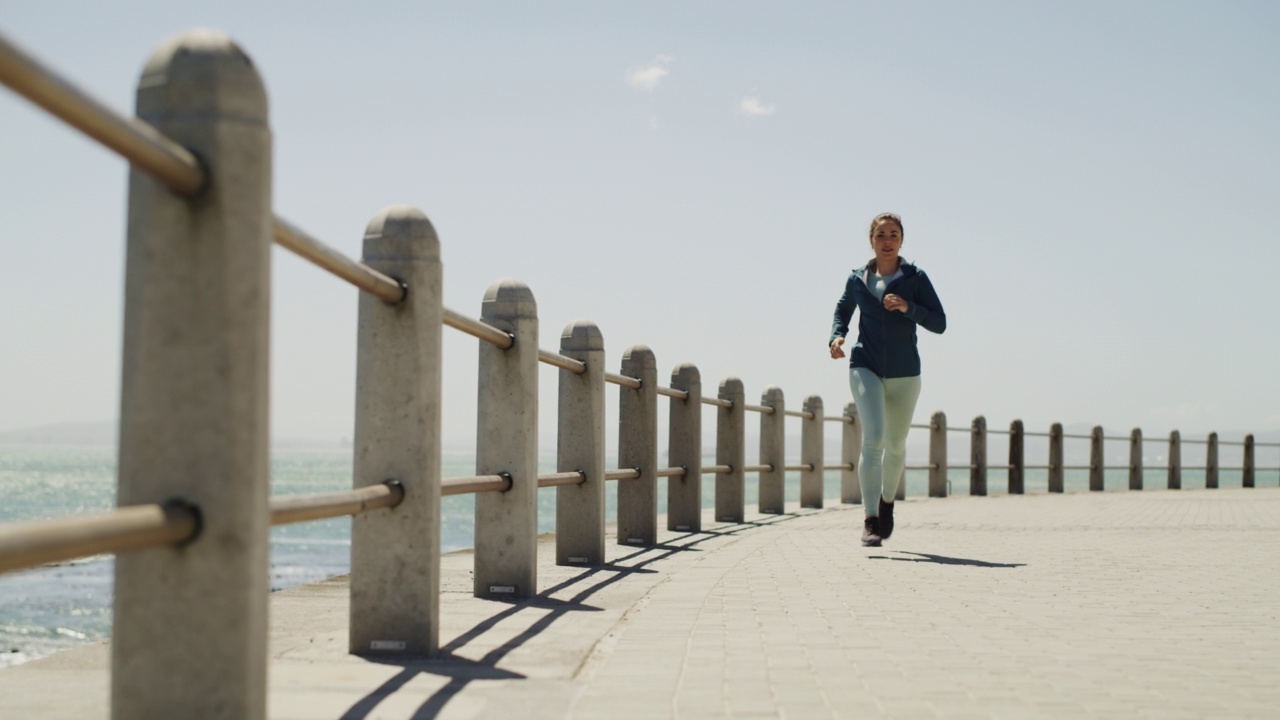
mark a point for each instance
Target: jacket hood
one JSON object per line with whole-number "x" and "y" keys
{"x": 908, "y": 268}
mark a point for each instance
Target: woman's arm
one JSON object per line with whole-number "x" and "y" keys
{"x": 843, "y": 314}
{"x": 926, "y": 309}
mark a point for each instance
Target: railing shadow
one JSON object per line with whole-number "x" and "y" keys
{"x": 944, "y": 560}
{"x": 462, "y": 671}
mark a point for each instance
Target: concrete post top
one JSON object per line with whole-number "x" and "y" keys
{"x": 1056, "y": 427}
{"x": 813, "y": 403}
{"x": 581, "y": 335}
{"x": 940, "y": 417}
{"x": 1016, "y": 425}
{"x": 199, "y": 71}
{"x": 1097, "y": 430}
{"x": 686, "y": 372}
{"x": 1213, "y": 436}
{"x": 1136, "y": 432}
{"x": 851, "y": 409}
{"x": 773, "y": 392}
{"x": 400, "y": 231}
{"x": 1175, "y": 435}
{"x": 980, "y": 421}
{"x": 730, "y": 388}
{"x": 639, "y": 353}
{"x": 509, "y": 298}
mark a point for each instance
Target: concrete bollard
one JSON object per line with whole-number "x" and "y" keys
{"x": 731, "y": 451}
{"x": 1017, "y": 458}
{"x": 638, "y": 448}
{"x": 190, "y": 623}
{"x": 684, "y": 494}
{"x": 850, "y": 455}
{"x": 395, "y": 553}
{"x": 1246, "y": 473}
{"x": 937, "y": 455}
{"x": 580, "y": 447}
{"x": 1175, "y": 460}
{"x": 506, "y": 547}
{"x": 978, "y": 456}
{"x": 773, "y": 444}
{"x": 811, "y": 451}
{"x": 1056, "y": 470}
{"x": 1135, "y": 459}
{"x": 1211, "y": 462}
{"x": 1096, "y": 457}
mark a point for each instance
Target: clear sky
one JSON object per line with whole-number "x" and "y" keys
{"x": 1092, "y": 187}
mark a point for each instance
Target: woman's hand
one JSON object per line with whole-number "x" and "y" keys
{"x": 893, "y": 302}
{"x": 836, "y": 351}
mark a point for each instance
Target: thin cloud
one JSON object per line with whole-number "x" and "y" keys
{"x": 649, "y": 77}
{"x": 753, "y": 105}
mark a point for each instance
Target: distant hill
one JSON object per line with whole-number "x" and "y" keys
{"x": 68, "y": 433}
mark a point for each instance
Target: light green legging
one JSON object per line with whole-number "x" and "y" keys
{"x": 885, "y": 407}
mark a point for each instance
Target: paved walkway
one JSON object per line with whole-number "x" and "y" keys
{"x": 1112, "y": 605}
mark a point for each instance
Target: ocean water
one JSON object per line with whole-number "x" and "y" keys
{"x": 48, "y": 609}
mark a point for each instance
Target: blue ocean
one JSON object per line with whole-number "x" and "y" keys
{"x": 57, "y": 607}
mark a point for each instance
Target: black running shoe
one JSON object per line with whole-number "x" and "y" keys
{"x": 871, "y": 532}
{"x": 886, "y": 519}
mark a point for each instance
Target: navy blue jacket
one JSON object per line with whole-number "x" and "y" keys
{"x": 887, "y": 339}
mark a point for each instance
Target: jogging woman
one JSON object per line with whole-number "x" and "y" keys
{"x": 893, "y": 297}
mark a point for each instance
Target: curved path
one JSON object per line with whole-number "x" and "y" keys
{"x": 1125, "y": 604}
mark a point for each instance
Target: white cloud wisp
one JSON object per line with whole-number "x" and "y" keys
{"x": 753, "y": 105}
{"x": 649, "y": 77}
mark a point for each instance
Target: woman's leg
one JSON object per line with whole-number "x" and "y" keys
{"x": 900, "y": 395}
{"x": 869, "y": 396}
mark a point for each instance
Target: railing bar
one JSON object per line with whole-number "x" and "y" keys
{"x": 717, "y": 402}
{"x": 1036, "y": 467}
{"x": 798, "y": 468}
{"x": 622, "y": 474}
{"x": 672, "y": 472}
{"x": 576, "y": 477}
{"x": 838, "y": 418}
{"x": 799, "y": 413}
{"x": 139, "y": 143}
{"x": 993, "y": 432}
{"x": 919, "y": 426}
{"x": 31, "y": 544}
{"x": 759, "y": 408}
{"x": 297, "y": 241}
{"x": 577, "y": 367}
{"x": 1077, "y": 467}
{"x": 477, "y": 329}
{"x": 475, "y": 484}
{"x": 623, "y": 380}
{"x": 930, "y": 466}
{"x": 758, "y": 468}
{"x": 1037, "y": 434}
{"x": 717, "y": 469}
{"x": 1077, "y": 437}
{"x": 302, "y": 508}
{"x": 846, "y": 466}
{"x": 672, "y": 392}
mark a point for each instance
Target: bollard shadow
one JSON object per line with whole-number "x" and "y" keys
{"x": 462, "y": 671}
{"x": 943, "y": 560}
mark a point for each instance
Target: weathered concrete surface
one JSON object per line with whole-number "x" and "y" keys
{"x": 1152, "y": 604}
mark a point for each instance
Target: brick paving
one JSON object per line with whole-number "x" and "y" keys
{"x": 1099, "y": 605}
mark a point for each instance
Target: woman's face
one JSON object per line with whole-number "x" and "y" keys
{"x": 886, "y": 241}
